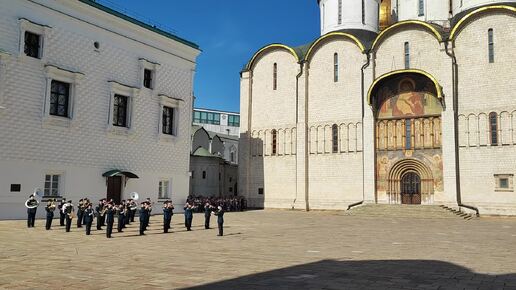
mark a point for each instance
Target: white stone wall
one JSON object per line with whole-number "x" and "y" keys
{"x": 461, "y": 5}
{"x": 483, "y": 88}
{"x": 433, "y": 10}
{"x": 351, "y": 15}
{"x": 84, "y": 148}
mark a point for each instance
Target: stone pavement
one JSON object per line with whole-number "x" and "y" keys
{"x": 269, "y": 249}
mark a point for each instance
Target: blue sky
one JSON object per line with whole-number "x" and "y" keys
{"x": 229, "y": 32}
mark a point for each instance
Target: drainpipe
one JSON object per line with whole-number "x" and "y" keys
{"x": 368, "y": 62}
{"x": 301, "y": 64}
{"x": 455, "y": 75}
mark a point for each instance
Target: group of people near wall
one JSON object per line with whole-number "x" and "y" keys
{"x": 230, "y": 203}
{"x": 105, "y": 213}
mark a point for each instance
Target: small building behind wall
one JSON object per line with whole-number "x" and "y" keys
{"x": 92, "y": 104}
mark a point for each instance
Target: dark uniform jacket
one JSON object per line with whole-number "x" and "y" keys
{"x": 143, "y": 214}
{"x": 188, "y": 212}
{"x": 207, "y": 211}
{"x": 220, "y": 216}
{"x": 167, "y": 213}
{"x": 110, "y": 216}
{"x": 32, "y": 202}
{"x": 50, "y": 212}
{"x": 87, "y": 217}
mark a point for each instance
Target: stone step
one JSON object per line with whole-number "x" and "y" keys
{"x": 407, "y": 211}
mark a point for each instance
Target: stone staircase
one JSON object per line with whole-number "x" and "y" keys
{"x": 407, "y": 211}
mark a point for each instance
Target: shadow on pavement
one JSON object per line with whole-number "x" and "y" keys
{"x": 380, "y": 274}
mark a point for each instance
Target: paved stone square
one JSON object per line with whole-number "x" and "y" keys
{"x": 269, "y": 249}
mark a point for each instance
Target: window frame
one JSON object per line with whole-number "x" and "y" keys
{"x": 493, "y": 129}
{"x": 39, "y": 29}
{"x": 131, "y": 93}
{"x": 421, "y": 8}
{"x": 176, "y": 105}
{"x": 339, "y": 18}
{"x": 167, "y": 193}
{"x": 151, "y": 66}
{"x": 335, "y": 67}
{"x": 275, "y": 77}
{"x": 54, "y": 109}
{"x": 116, "y": 107}
{"x": 61, "y": 182}
{"x": 74, "y": 81}
{"x": 274, "y": 142}
{"x": 167, "y": 130}
{"x": 510, "y": 182}
{"x": 335, "y": 138}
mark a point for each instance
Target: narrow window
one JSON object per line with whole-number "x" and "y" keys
{"x": 204, "y": 117}
{"x": 120, "y": 111}
{"x": 493, "y": 128}
{"x": 163, "y": 189}
{"x": 32, "y": 44}
{"x": 340, "y": 12}
{"x": 274, "y": 142}
{"x": 275, "y": 77}
{"x": 336, "y": 67}
{"x": 197, "y": 117}
{"x": 421, "y": 8}
{"x": 363, "y": 11}
{"x": 211, "y": 118}
{"x": 407, "y": 55}
{"x": 147, "y": 78}
{"x": 335, "y": 138}
{"x": 204, "y": 175}
{"x": 59, "y": 98}
{"x": 490, "y": 45}
{"x": 232, "y": 157}
{"x": 168, "y": 121}
{"x": 408, "y": 134}
{"x": 52, "y": 185}
{"x": 216, "y": 119}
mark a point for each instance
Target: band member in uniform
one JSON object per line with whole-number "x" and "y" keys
{"x": 149, "y": 210}
{"x": 127, "y": 215}
{"x": 143, "y": 218}
{"x": 188, "y": 216}
{"x": 208, "y": 208}
{"x": 134, "y": 208}
{"x": 80, "y": 212}
{"x": 88, "y": 218}
{"x": 100, "y": 210}
{"x": 110, "y": 219}
{"x": 32, "y": 207}
{"x": 50, "y": 213}
{"x": 68, "y": 210}
{"x": 220, "y": 220}
{"x": 62, "y": 214}
{"x": 121, "y": 217}
{"x": 103, "y": 217}
{"x": 167, "y": 215}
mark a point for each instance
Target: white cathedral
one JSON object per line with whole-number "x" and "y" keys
{"x": 397, "y": 102}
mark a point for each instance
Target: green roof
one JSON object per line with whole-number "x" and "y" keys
{"x": 113, "y": 12}
{"x": 203, "y": 152}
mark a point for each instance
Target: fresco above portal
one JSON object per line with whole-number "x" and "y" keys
{"x": 407, "y": 97}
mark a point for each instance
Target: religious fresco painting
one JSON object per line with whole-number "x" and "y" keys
{"x": 409, "y": 165}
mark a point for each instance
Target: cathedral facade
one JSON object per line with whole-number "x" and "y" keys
{"x": 397, "y": 102}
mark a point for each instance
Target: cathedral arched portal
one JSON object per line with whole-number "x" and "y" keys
{"x": 407, "y": 106}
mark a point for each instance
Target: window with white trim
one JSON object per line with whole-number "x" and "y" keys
{"x": 407, "y": 55}
{"x": 121, "y": 107}
{"x": 52, "y": 182}
{"x": 169, "y": 108}
{"x": 504, "y": 182}
{"x": 32, "y": 39}
{"x": 421, "y": 8}
{"x": 164, "y": 189}
{"x": 60, "y": 95}
{"x": 490, "y": 44}
{"x": 148, "y": 75}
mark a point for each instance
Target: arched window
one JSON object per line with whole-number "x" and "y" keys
{"x": 274, "y": 142}
{"x": 490, "y": 44}
{"x": 335, "y": 138}
{"x": 493, "y": 128}
{"x": 407, "y": 55}
{"x": 363, "y": 11}
{"x": 275, "y": 77}
{"x": 340, "y": 12}
{"x": 336, "y": 67}
{"x": 408, "y": 134}
{"x": 421, "y": 8}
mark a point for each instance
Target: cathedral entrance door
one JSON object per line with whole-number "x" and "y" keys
{"x": 411, "y": 188}
{"x": 114, "y": 188}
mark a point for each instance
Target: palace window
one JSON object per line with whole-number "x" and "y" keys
{"x": 59, "y": 98}
{"x": 336, "y": 67}
{"x": 275, "y": 77}
{"x": 408, "y": 134}
{"x": 233, "y": 121}
{"x": 335, "y": 138}
{"x": 32, "y": 45}
{"x": 120, "y": 111}
{"x": 147, "y": 78}
{"x": 206, "y": 118}
{"x": 493, "y": 128}
{"x": 490, "y": 41}
{"x": 168, "y": 121}
{"x": 340, "y": 12}
{"x": 15, "y": 187}
{"x": 274, "y": 142}
{"x": 204, "y": 175}
{"x": 52, "y": 184}
{"x": 504, "y": 182}
{"x": 163, "y": 191}
{"x": 421, "y": 8}
{"x": 407, "y": 55}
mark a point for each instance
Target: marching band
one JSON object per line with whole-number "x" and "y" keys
{"x": 106, "y": 211}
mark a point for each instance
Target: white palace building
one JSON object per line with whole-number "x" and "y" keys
{"x": 93, "y": 104}
{"x": 397, "y": 102}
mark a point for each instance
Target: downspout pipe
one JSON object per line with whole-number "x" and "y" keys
{"x": 368, "y": 62}
{"x": 301, "y": 65}
{"x": 455, "y": 84}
